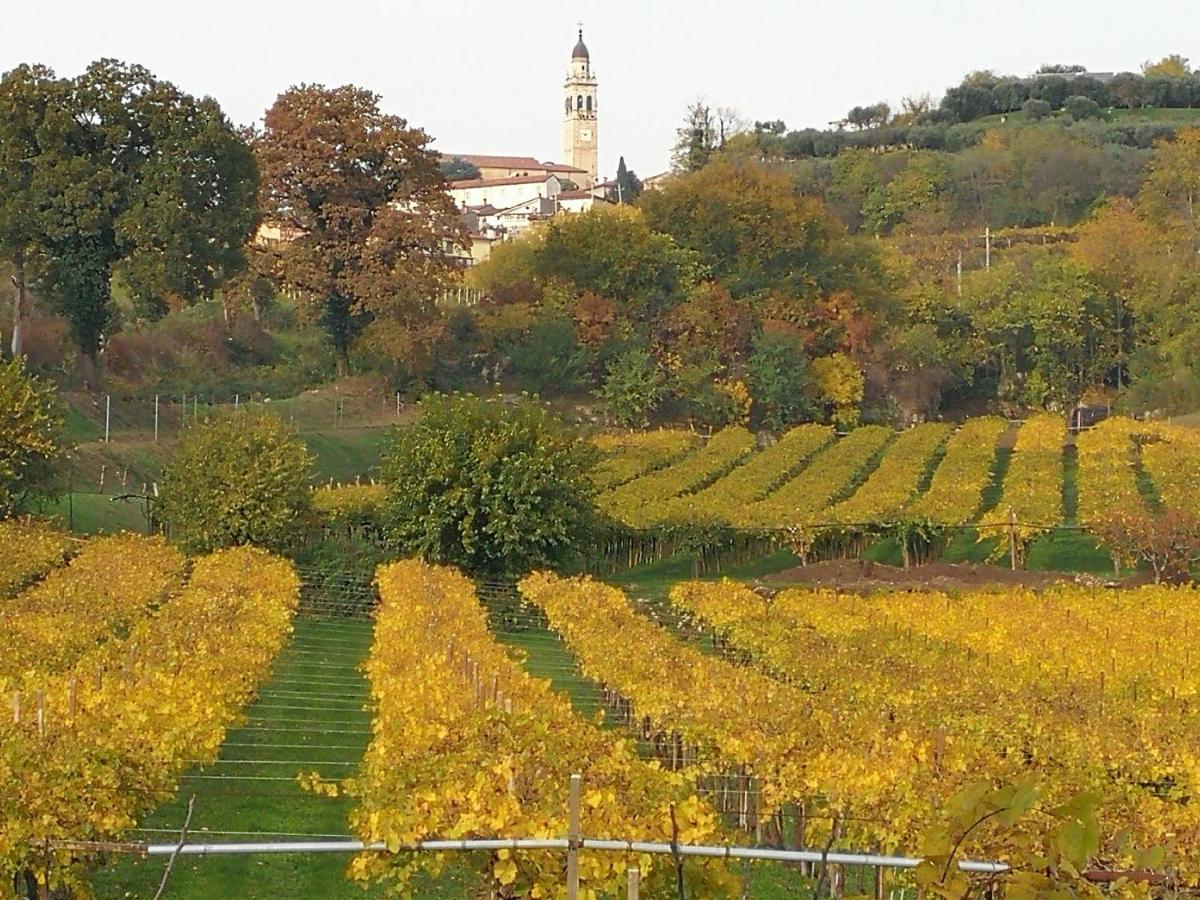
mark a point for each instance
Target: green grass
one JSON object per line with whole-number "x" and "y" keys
{"x": 653, "y": 581}
{"x": 89, "y": 513}
{"x": 317, "y": 669}
{"x": 345, "y": 454}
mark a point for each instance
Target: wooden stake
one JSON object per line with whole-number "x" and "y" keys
{"x": 41, "y": 713}
{"x": 16, "y": 707}
{"x": 635, "y": 882}
{"x": 574, "y": 835}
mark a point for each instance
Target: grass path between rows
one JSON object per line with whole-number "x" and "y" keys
{"x": 311, "y": 715}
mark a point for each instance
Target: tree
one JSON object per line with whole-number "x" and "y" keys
{"x": 839, "y": 384}
{"x": 1173, "y": 66}
{"x": 778, "y": 374}
{"x": 627, "y": 186}
{"x": 26, "y": 93}
{"x": 1171, "y": 192}
{"x": 1035, "y": 109}
{"x": 1169, "y": 542}
{"x": 1079, "y": 108}
{"x": 633, "y": 387}
{"x": 496, "y": 489}
{"x": 456, "y": 168}
{"x": 747, "y": 224}
{"x": 1047, "y": 330}
{"x": 30, "y": 424}
{"x": 366, "y": 197}
{"x": 704, "y": 131}
{"x": 116, "y": 172}
{"x": 609, "y": 251}
{"x": 239, "y": 479}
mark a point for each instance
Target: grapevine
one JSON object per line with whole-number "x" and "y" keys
{"x": 466, "y": 744}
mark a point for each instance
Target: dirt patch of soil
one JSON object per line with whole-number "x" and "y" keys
{"x": 863, "y": 576}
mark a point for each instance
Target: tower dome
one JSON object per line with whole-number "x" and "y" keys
{"x": 581, "y": 50}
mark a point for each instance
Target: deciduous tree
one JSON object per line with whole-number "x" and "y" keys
{"x": 497, "y": 490}
{"x": 375, "y": 228}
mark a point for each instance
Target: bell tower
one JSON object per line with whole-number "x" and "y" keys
{"x": 579, "y": 128}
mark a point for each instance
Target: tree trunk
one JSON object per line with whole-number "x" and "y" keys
{"x": 89, "y": 371}
{"x": 20, "y": 305}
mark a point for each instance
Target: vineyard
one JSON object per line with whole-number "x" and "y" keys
{"x": 123, "y": 675}
{"x": 435, "y": 726}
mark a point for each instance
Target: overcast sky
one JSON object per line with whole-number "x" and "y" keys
{"x": 486, "y": 77}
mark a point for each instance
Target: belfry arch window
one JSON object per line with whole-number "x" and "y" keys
{"x": 589, "y": 104}
{"x": 579, "y": 102}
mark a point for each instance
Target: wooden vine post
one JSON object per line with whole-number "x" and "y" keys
{"x": 1012, "y": 538}
{"x": 574, "y": 836}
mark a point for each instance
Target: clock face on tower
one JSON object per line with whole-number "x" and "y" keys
{"x": 585, "y": 134}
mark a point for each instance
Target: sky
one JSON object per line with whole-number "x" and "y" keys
{"x": 487, "y": 77}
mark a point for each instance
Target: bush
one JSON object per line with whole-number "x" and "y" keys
{"x": 240, "y": 479}
{"x": 496, "y": 490}
{"x": 30, "y": 424}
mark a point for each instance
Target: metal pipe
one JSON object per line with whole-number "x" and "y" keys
{"x": 700, "y": 850}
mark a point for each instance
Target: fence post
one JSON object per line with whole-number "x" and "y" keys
{"x": 635, "y": 882}
{"x": 107, "y": 415}
{"x": 1012, "y": 538}
{"x": 574, "y": 835}
{"x": 156, "y": 418}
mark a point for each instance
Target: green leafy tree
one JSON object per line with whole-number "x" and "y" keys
{"x": 608, "y": 251}
{"x": 633, "y": 387}
{"x": 374, "y": 225}
{"x": 239, "y": 479}
{"x": 1036, "y": 109}
{"x": 495, "y": 489}
{"x": 456, "y": 168}
{"x": 628, "y": 186}
{"x": 1046, "y": 329}
{"x": 30, "y": 426}
{"x": 116, "y": 172}
{"x": 780, "y": 382}
{"x": 1080, "y": 108}
{"x": 26, "y": 95}
{"x": 747, "y": 224}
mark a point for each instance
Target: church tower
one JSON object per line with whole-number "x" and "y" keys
{"x": 579, "y": 129}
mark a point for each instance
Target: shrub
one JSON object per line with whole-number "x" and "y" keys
{"x": 494, "y": 489}
{"x": 240, "y": 479}
{"x": 29, "y": 437}
{"x": 633, "y": 387}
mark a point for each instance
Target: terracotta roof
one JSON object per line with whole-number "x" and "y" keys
{"x": 497, "y": 182}
{"x": 576, "y": 195}
{"x": 562, "y": 167}
{"x": 496, "y": 162}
